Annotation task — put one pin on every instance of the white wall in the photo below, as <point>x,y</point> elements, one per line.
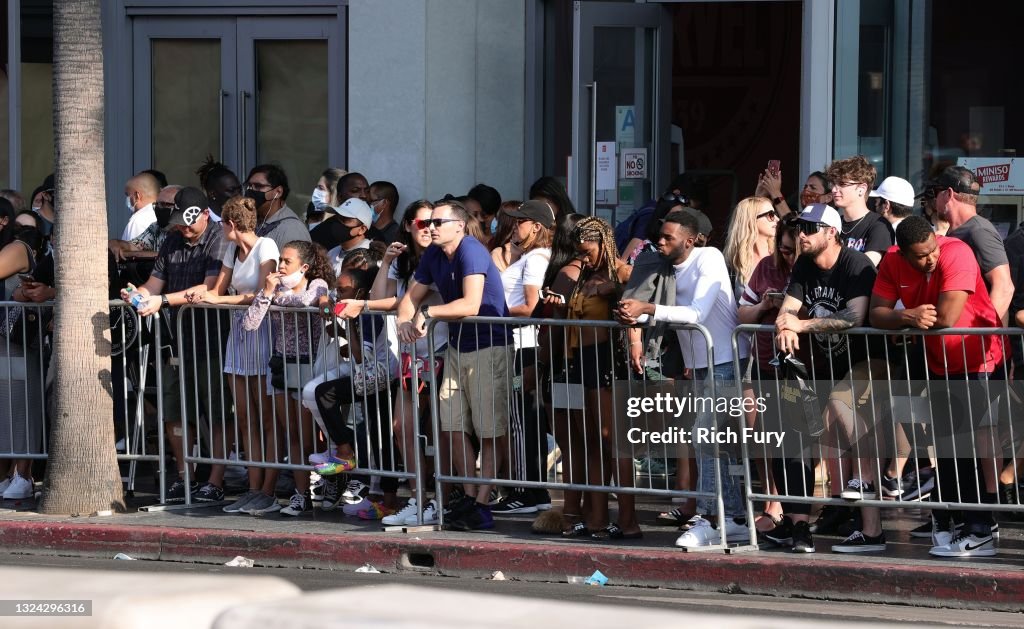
<point>436,94</point>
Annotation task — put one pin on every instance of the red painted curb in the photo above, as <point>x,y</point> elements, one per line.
<point>939,585</point>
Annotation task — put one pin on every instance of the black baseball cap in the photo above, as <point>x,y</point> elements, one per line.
<point>189,203</point>
<point>534,210</point>
<point>957,178</point>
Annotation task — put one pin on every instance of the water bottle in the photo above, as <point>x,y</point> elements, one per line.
<point>135,298</point>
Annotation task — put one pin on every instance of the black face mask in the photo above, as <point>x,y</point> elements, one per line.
<point>163,215</point>
<point>259,197</point>
<point>332,233</point>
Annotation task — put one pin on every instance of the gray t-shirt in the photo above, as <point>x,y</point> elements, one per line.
<point>283,227</point>
<point>984,240</point>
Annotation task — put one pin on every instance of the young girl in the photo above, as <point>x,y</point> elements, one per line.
<point>389,286</point>
<point>248,260</point>
<point>303,276</point>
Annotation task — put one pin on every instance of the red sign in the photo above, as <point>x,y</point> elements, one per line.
<point>992,173</point>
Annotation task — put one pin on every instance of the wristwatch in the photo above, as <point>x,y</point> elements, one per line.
<point>423,311</point>
<point>164,302</point>
<point>777,200</point>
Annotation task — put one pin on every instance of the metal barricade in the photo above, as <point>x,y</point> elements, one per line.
<point>602,414</point>
<point>25,375</point>
<point>333,386</point>
<point>911,396</point>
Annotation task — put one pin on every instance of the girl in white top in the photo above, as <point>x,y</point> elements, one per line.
<point>248,260</point>
<point>523,279</point>
<point>400,260</point>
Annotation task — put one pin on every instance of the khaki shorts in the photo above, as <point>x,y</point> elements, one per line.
<point>866,384</point>
<point>474,392</point>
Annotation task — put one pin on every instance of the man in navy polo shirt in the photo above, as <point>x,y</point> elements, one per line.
<point>474,391</point>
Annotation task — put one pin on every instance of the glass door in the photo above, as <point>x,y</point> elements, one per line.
<point>245,90</point>
<point>184,95</point>
<point>620,123</point>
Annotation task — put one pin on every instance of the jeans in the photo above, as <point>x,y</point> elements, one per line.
<point>725,385</point>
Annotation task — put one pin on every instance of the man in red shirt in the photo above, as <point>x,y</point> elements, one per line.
<point>940,285</point>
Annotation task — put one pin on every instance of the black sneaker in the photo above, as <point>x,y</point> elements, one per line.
<point>176,492</point>
<point>458,507</point>
<point>1009,495</point>
<point>891,487</point>
<point>542,499</point>
<point>518,501</point>
<point>858,489</point>
<point>209,493</point>
<point>858,542</point>
<point>918,486</point>
<point>782,534</point>
<point>802,540</point>
<point>473,519</point>
<point>830,518</point>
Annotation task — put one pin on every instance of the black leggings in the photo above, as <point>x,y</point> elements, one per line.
<point>335,395</point>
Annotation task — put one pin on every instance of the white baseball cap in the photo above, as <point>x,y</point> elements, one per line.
<point>356,208</point>
<point>821,213</point>
<point>895,189</point>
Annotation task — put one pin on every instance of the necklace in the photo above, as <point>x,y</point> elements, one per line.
<point>854,226</point>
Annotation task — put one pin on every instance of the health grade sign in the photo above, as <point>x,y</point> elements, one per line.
<point>997,175</point>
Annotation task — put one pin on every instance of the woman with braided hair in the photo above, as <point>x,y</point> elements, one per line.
<point>594,362</point>
<point>218,182</point>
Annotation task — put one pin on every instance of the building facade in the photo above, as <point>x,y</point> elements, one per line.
<point>613,97</point>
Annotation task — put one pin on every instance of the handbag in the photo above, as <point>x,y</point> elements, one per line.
<point>425,372</point>
<point>369,377</point>
<point>294,372</point>
<point>799,405</point>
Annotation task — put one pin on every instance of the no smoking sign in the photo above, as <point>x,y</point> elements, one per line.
<point>633,164</point>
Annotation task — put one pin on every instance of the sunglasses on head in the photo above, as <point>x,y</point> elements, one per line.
<point>809,229</point>
<point>675,198</point>
<point>436,222</point>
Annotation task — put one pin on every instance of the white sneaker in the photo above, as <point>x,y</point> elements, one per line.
<point>19,488</point>
<point>319,458</point>
<point>736,533</point>
<point>429,515</point>
<point>701,533</point>
<point>967,545</point>
<point>399,518</point>
<point>4,484</point>
<point>940,537</point>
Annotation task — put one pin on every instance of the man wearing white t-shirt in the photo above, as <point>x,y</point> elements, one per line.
<point>703,295</point>
<point>140,193</point>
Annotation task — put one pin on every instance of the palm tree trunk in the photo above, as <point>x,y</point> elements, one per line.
<point>82,475</point>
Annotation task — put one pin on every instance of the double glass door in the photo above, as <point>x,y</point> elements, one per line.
<point>622,84</point>
<point>244,90</point>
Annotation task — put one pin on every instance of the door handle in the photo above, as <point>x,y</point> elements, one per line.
<point>243,130</point>
<point>592,87</point>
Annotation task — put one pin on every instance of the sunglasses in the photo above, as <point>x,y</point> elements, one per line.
<point>435,222</point>
<point>771,214</point>
<point>675,198</point>
<point>809,229</point>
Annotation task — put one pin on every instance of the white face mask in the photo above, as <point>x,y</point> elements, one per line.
<point>129,204</point>
<point>293,280</point>
<point>319,199</point>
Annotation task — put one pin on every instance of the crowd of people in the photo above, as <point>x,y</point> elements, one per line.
<point>850,255</point>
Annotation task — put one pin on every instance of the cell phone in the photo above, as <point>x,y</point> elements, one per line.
<point>339,308</point>
<point>774,167</point>
<point>774,294</point>
<point>545,293</point>
<point>25,277</point>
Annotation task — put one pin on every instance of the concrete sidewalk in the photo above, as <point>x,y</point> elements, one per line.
<point>905,574</point>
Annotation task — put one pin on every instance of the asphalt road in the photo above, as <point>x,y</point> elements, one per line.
<point>830,613</point>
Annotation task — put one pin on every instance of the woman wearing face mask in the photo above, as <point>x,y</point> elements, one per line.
<point>324,197</point>
<point>21,396</point>
<point>302,277</point>
<point>248,260</point>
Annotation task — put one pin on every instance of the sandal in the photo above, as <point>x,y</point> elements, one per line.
<point>764,514</point>
<point>578,529</point>
<point>675,517</point>
<point>612,531</point>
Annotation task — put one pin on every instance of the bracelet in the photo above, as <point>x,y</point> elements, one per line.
<point>636,343</point>
<point>777,200</point>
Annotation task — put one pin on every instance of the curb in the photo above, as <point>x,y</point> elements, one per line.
<point>944,585</point>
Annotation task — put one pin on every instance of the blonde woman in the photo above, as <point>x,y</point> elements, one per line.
<point>751,238</point>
